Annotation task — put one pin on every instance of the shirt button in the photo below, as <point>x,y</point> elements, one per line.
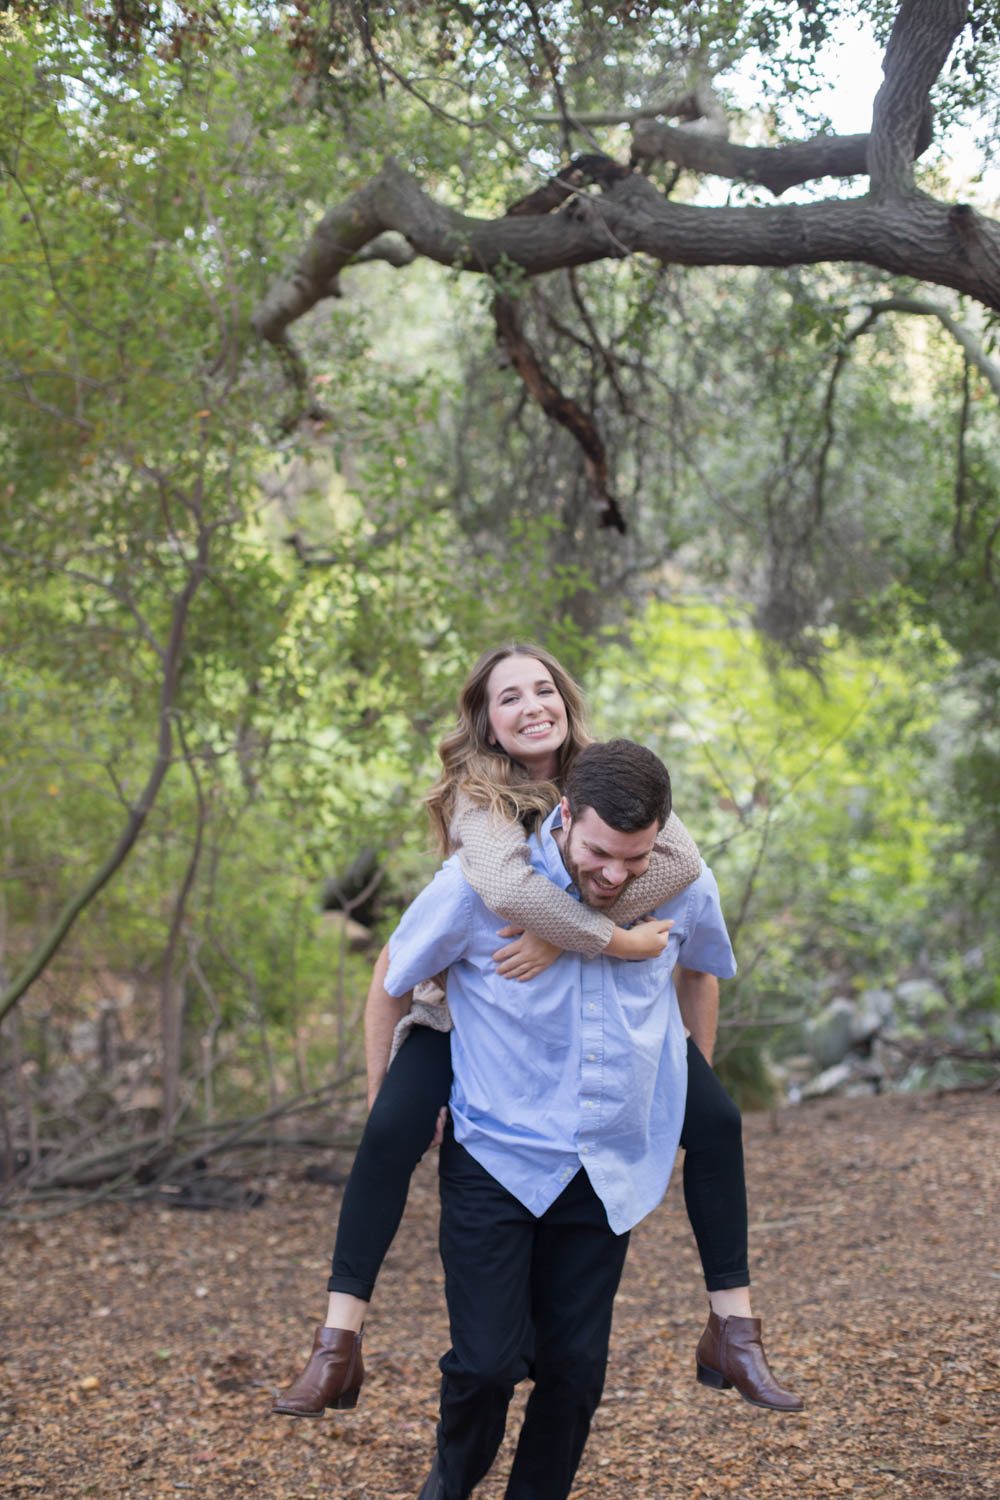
<point>591,1057</point>
<point>586,1150</point>
<point>591,1005</point>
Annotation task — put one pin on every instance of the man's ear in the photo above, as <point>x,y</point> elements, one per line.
<point>564,813</point>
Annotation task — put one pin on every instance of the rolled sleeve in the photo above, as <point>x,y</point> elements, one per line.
<point>705,944</point>
<point>432,933</point>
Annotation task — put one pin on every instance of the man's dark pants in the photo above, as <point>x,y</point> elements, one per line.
<point>514,1281</point>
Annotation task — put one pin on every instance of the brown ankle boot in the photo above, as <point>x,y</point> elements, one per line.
<point>730,1353</point>
<point>332,1377</point>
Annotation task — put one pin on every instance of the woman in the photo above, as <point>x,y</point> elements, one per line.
<point>520,724</point>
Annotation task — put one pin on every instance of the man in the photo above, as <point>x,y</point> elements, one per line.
<point>566,1112</point>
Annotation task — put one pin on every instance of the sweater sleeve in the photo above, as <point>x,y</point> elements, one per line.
<point>674,864</point>
<point>494,857</point>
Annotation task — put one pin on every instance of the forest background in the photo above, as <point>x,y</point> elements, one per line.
<point>341,341</point>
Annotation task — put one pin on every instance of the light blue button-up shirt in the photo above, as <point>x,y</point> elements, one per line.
<point>586,1065</point>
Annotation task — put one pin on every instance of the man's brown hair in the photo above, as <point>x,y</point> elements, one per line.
<point>626,785</point>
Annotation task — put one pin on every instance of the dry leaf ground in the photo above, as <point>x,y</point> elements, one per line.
<point>140,1346</point>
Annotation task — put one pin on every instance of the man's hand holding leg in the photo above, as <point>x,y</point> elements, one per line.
<point>383,1012</point>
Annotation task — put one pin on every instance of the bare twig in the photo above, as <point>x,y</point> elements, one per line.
<point>961,467</point>
<point>172,1003</point>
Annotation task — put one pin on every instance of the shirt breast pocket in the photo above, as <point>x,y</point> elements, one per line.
<point>643,987</point>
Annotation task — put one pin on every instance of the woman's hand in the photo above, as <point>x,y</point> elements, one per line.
<point>442,1121</point>
<point>529,956</point>
<point>644,940</point>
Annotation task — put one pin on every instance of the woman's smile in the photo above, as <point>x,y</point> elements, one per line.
<point>527,714</point>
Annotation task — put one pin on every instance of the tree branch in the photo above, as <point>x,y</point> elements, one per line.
<point>776,168</point>
<point>967,342</point>
<point>683,107</point>
<point>922,36</point>
<point>594,168</point>
<point>961,467</point>
<point>559,408</point>
<point>172,657</point>
<point>915,236</point>
<point>390,248</point>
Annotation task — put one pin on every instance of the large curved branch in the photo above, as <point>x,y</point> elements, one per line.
<point>948,245</point>
<point>775,167</point>
<point>340,235</point>
<point>923,34</point>
<point>393,199</point>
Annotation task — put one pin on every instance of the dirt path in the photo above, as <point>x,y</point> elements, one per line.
<point>139,1348</point>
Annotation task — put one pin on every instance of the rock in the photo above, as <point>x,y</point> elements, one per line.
<point>830,1035</point>
<point>851,1077</point>
<point>883,1060</point>
<point>919,997</point>
<point>799,1065</point>
<point>872,1012</point>
<point>827,1082</point>
<point>358,937</point>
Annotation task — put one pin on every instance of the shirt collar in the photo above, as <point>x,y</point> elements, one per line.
<point>554,867</point>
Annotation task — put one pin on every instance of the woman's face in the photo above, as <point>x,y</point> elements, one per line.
<point>527,714</point>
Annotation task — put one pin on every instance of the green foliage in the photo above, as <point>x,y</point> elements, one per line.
<point>157,166</point>
<point>816,802</point>
<point>135,424</point>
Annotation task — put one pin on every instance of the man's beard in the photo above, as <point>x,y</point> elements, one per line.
<point>590,893</point>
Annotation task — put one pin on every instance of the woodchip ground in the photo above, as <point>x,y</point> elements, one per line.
<point>139,1347</point>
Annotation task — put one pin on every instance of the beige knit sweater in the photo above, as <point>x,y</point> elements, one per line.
<point>496,863</point>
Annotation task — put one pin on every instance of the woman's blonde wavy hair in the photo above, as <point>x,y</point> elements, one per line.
<point>486,773</point>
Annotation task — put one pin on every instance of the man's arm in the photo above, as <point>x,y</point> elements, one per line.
<point>382,1013</point>
<point>698,998</point>
<point>433,934</point>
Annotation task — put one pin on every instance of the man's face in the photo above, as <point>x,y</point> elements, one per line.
<point>601,860</point>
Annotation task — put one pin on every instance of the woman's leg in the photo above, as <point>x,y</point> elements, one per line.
<point>715,1191</point>
<point>730,1352</point>
<point>399,1129</point>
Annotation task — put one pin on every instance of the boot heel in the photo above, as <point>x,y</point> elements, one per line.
<point>332,1378</point>
<point>713,1378</point>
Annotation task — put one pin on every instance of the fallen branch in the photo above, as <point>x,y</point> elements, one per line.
<point>136,1169</point>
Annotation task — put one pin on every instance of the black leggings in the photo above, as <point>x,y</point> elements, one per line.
<point>401,1125</point>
